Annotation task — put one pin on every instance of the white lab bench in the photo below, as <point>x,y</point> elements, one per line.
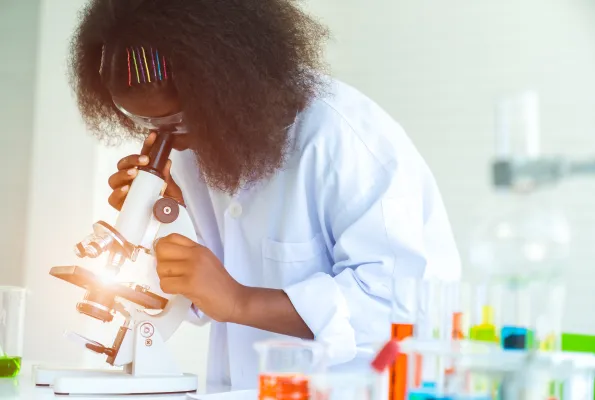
<point>23,388</point>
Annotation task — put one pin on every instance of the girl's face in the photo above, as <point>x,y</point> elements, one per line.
<point>154,106</point>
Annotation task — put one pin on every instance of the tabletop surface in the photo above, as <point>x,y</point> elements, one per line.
<point>23,388</point>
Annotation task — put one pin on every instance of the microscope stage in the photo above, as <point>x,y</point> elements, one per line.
<point>87,280</point>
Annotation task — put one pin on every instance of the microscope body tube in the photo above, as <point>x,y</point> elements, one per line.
<point>137,211</point>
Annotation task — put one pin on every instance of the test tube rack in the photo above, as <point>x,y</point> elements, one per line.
<point>510,375</point>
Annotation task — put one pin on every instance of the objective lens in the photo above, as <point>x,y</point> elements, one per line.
<point>116,259</point>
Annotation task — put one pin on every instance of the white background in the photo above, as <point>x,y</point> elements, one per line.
<point>437,66</point>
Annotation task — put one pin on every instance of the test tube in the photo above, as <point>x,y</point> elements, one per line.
<point>484,325</point>
<point>548,299</point>
<point>437,307</point>
<point>485,321</point>
<point>515,306</point>
<point>404,314</point>
<point>548,305</point>
<point>459,294</point>
<point>462,295</point>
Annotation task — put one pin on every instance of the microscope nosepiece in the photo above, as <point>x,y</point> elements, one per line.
<point>94,245</point>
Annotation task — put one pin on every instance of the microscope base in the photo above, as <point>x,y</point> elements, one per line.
<point>113,382</point>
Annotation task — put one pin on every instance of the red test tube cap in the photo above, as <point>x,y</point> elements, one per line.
<point>386,356</point>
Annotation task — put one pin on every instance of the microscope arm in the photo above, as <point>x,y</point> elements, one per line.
<point>169,218</point>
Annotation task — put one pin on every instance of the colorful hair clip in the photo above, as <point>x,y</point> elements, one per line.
<point>140,61</point>
<point>143,64</point>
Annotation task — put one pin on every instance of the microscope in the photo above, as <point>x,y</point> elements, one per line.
<point>149,319</point>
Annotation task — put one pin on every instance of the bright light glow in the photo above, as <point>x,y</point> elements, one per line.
<point>107,276</point>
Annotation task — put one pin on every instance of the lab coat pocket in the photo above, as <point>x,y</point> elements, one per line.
<point>287,263</point>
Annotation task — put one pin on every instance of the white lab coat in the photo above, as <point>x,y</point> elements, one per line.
<point>354,204</point>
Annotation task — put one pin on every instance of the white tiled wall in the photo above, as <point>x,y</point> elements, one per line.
<point>17,83</point>
<point>60,203</point>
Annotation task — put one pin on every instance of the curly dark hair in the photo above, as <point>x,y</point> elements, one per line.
<point>242,70</point>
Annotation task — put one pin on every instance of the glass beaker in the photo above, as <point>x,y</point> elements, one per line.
<point>345,386</point>
<point>285,368</point>
<point>12,320</point>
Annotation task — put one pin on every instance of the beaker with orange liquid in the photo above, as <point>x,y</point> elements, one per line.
<point>285,368</point>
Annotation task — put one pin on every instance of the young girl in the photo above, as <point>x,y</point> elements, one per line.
<point>306,196</point>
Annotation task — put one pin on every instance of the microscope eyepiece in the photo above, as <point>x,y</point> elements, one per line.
<point>160,152</point>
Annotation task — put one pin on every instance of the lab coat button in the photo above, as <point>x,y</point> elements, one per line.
<point>235,210</point>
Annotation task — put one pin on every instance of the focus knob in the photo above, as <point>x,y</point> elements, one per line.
<point>166,210</point>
